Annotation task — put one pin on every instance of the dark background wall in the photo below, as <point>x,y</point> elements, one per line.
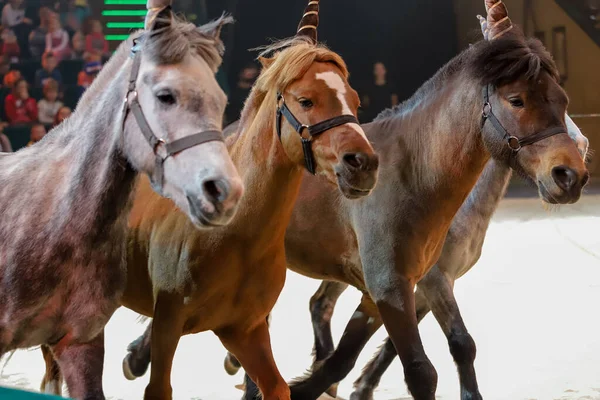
<point>412,37</point>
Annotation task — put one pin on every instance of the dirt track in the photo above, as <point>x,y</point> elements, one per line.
<point>532,305</point>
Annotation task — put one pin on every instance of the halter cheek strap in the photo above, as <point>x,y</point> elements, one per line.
<point>513,142</point>
<point>171,148</point>
<point>313,130</point>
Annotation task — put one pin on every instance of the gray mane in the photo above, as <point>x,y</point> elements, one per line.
<point>173,40</point>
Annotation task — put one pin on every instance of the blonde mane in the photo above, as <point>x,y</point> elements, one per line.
<point>283,63</point>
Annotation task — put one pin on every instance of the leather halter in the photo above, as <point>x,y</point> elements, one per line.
<point>170,148</point>
<point>513,142</point>
<point>313,130</point>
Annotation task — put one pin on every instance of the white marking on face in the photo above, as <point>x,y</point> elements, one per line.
<point>335,82</point>
<point>581,141</point>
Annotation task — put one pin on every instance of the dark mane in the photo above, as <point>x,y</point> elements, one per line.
<point>496,63</point>
<point>169,45</point>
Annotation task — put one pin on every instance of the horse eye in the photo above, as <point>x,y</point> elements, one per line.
<point>166,97</point>
<point>305,103</point>
<point>516,102</point>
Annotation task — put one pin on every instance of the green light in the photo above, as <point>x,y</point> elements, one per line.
<point>134,25</point>
<point>116,37</point>
<point>124,13</point>
<point>125,2</point>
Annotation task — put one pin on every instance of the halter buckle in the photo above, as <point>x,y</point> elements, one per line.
<point>158,143</point>
<point>513,143</point>
<point>487,109</point>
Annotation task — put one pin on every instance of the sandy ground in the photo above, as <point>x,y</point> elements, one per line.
<point>532,305</point>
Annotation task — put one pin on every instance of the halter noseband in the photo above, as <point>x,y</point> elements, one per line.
<point>313,130</point>
<point>171,148</point>
<point>513,142</point>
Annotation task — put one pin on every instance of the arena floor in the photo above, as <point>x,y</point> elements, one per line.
<point>532,305</point>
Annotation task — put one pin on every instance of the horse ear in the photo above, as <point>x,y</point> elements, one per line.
<point>213,29</point>
<point>163,19</point>
<point>310,21</point>
<point>265,62</point>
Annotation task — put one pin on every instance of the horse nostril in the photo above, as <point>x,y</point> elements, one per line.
<point>216,190</point>
<point>564,177</point>
<point>356,160</point>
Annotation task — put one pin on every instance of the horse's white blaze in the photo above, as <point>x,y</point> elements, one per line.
<point>581,141</point>
<point>335,82</point>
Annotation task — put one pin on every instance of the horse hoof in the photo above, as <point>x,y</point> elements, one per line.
<point>332,391</point>
<point>127,370</point>
<point>230,367</point>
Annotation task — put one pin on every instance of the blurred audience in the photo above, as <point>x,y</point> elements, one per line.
<point>5,146</point>
<point>19,107</point>
<point>10,46</point>
<point>12,77</point>
<point>37,37</point>
<point>38,131</point>
<point>49,71</point>
<point>240,92</point>
<point>90,70</point>
<point>95,41</point>
<point>48,106</point>
<point>63,113</point>
<point>379,95</point>
<point>57,40</point>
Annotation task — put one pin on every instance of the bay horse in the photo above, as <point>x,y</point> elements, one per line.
<point>461,251</point>
<point>499,99</point>
<point>64,202</point>
<point>228,279</point>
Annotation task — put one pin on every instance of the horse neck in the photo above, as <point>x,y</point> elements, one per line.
<point>271,179</point>
<point>88,149</point>
<point>489,190</point>
<point>439,138</point>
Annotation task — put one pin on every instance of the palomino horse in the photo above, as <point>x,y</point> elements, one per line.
<point>433,148</point>
<point>62,256</point>
<point>228,279</point>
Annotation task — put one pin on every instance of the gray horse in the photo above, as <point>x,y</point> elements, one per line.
<point>64,202</point>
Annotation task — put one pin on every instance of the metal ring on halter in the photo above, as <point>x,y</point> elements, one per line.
<point>487,107</point>
<point>159,142</point>
<point>513,143</point>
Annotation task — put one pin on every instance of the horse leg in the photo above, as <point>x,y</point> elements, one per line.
<point>167,328</point>
<point>253,350</point>
<point>363,324</point>
<point>52,380</point>
<point>82,365</point>
<point>395,299</point>
<point>135,363</point>
<point>321,306</point>
<point>369,379</point>
<point>437,287</point>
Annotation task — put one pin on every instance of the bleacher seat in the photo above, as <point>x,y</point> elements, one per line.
<point>19,135</point>
<point>70,70</point>
<point>28,69</point>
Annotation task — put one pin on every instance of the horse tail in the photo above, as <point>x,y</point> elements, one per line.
<point>498,22</point>
<point>310,21</point>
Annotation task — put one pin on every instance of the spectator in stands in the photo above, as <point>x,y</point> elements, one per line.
<point>380,94</point>
<point>12,77</point>
<point>5,146</point>
<point>10,46</point>
<point>95,42</point>
<point>78,46</point>
<point>49,70</point>
<point>13,17</point>
<point>90,70</point>
<point>37,37</point>
<point>49,105</point>
<point>82,9</point>
<point>4,68</point>
<point>63,113</point>
<point>57,40</point>
<point>20,108</point>
<point>72,24</point>
<point>240,92</point>
<point>38,131</point>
